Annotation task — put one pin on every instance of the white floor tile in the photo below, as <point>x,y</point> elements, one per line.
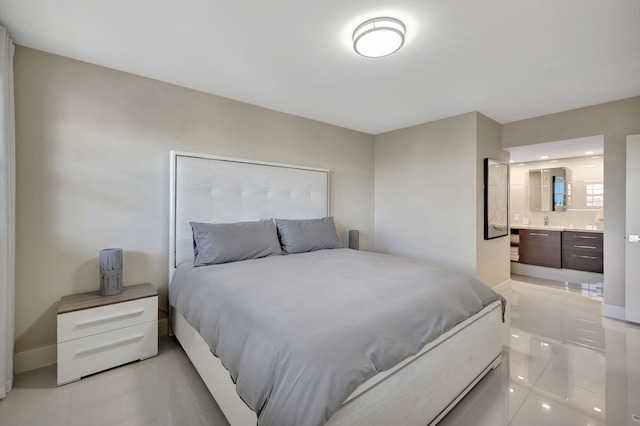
<point>193,421</point>
<point>196,389</point>
<point>452,420</point>
<point>496,405</point>
<point>58,416</point>
<point>35,398</point>
<point>524,369</point>
<point>579,394</point>
<point>537,411</point>
<point>581,360</point>
<point>491,402</point>
<point>213,417</point>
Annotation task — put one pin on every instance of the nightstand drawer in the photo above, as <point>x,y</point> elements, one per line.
<point>81,357</point>
<point>87,322</point>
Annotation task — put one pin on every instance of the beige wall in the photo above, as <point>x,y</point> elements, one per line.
<point>632,273</point>
<point>92,172</point>
<point>429,194</point>
<point>424,195</point>
<point>492,256</point>
<point>615,120</point>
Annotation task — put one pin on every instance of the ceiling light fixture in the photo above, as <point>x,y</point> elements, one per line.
<point>379,37</point>
<point>589,152</point>
<point>544,157</point>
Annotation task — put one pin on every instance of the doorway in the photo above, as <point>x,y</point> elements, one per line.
<point>556,205</point>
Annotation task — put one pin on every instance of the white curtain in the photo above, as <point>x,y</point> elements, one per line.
<point>7,211</point>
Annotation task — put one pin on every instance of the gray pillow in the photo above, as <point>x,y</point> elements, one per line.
<point>300,236</point>
<point>215,243</point>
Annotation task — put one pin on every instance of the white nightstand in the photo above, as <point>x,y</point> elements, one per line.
<point>100,332</point>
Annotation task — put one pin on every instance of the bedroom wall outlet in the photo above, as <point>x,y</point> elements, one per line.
<point>354,239</point>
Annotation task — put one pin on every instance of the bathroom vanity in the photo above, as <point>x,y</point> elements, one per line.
<point>559,247</point>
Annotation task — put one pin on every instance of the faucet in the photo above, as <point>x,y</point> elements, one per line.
<point>546,220</point>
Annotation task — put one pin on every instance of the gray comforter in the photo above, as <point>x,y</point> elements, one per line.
<point>299,333</point>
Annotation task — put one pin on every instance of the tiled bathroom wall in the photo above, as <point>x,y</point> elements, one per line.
<point>584,186</point>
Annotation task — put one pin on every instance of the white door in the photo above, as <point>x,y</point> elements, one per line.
<point>632,269</point>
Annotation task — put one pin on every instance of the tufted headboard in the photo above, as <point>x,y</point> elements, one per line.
<point>205,188</point>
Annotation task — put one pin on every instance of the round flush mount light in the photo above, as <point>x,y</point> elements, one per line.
<point>379,37</point>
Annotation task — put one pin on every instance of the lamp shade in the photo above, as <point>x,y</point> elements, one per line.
<point>110,271</point>
<point>379,37</point>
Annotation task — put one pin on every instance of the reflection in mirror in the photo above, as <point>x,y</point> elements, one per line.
<point>585,195</point>
<point>548,189</point>
<point>496,199</point>
<point>559,194</point>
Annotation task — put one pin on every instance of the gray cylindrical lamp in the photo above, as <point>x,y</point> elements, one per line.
<point>110,271</point>
<point>354,239</point>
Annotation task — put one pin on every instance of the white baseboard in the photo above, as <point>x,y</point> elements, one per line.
<point>34,358</point>
<point>613,311</point>
<point>48,355</point>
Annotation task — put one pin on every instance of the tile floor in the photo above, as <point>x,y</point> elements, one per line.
<point>164,390</point>
<point>566,366</point>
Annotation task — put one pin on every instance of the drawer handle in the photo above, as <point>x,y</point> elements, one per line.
<point>109,318</point>
<point>585,237</point>
<point>587,247</point>
<point>110,345</point>
<point>586,257</point>
<point>541,235</point>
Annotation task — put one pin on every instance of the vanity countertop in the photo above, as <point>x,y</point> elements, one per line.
<point>557,228</point>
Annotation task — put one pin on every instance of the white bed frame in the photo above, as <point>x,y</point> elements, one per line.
<point>420,390</point>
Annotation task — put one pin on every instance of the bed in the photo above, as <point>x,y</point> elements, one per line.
<point>417,389</point>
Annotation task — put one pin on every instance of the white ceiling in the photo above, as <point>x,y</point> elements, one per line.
<point>509,59</point>
<point>560,149</point>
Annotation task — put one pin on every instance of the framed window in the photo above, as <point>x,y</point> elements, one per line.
<point>595,194</point>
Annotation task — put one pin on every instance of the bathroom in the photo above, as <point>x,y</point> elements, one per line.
<point>556,201</point>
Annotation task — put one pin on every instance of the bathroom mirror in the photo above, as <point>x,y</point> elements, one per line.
<point>548,189</point>
<point>496,199</point>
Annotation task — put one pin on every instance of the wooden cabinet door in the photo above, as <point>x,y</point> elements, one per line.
<point>542,248</point>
